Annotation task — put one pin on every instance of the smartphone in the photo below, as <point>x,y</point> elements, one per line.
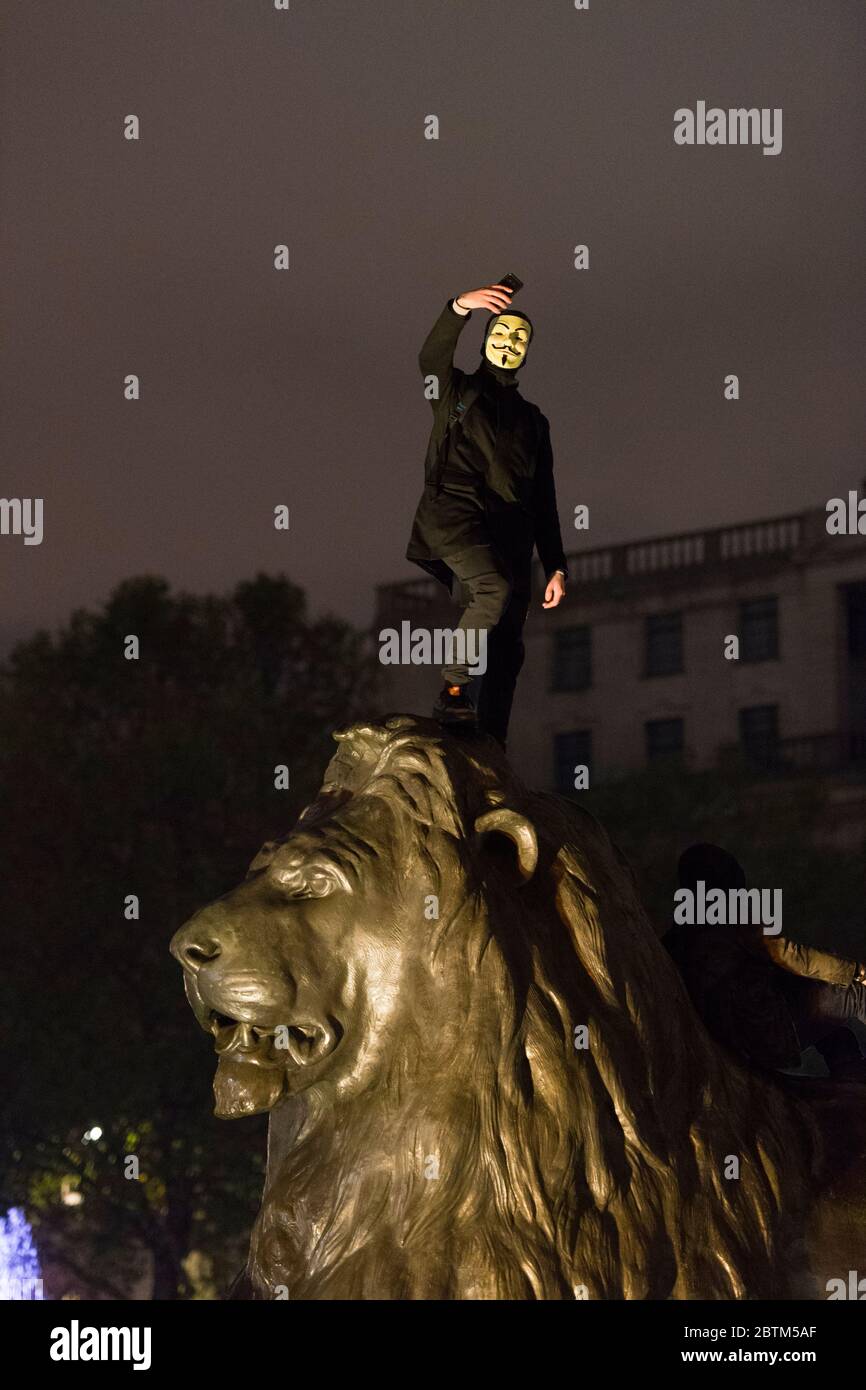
<point>511,282</point>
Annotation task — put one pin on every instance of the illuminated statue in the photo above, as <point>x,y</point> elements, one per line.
<point>484,1075</point>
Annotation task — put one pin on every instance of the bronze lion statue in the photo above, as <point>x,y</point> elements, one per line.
<point>485,1078</point>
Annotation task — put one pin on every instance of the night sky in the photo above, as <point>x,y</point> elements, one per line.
<point>258,388</point>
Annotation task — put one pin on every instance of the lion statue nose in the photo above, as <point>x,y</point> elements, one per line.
<point>194,947</point>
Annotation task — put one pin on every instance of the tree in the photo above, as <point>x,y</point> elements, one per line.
<point>149,779</point>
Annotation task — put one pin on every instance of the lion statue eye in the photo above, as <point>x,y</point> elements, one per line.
<point>303,881</point>
<point>319,884</point>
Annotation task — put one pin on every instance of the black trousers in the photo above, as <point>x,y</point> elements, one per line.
<point>494,591</point>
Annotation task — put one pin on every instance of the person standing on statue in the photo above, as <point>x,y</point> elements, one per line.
<point>489,500</point>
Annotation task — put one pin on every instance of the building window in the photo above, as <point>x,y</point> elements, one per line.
<point>572,658</point>
<point>664,644</point>
<point>759,629</point>
<point>759,734</point>
<point>570,751</point>
<point>664,740</point>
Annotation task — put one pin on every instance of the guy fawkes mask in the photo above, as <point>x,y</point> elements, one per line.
<point>507,341</point>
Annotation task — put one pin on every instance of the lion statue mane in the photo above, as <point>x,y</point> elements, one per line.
<point>485,1078</point>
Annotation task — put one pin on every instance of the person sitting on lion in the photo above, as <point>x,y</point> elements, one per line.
<point>766,997</point>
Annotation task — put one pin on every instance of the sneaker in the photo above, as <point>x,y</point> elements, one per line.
<point>454,706</point>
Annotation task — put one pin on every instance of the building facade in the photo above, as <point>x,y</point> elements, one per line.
<point>745,641</point>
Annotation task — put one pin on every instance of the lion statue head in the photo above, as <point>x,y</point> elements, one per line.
<point>485,1078</point>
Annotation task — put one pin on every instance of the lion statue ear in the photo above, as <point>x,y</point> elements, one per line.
<point>517,829</point>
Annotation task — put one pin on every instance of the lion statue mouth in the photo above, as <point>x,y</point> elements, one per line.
<point>265,1049</point>
<point>258,1046</point>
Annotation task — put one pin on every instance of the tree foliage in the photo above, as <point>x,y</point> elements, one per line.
<point>151,778</point>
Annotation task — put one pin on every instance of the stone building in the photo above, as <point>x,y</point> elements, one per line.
<point>632,667</point>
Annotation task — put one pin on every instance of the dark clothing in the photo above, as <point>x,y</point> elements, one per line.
<point>496,487</point>
<point>505,655</point>
<point>482,588</point>
<point>495,597</point>
<point>818,1008</point>
<point>736,993</point>
<point>742,984</point>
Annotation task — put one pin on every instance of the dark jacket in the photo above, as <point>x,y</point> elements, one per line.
<point>496,487</point>
<point>735,978</point>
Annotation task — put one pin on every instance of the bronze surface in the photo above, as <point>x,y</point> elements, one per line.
<point>399,981</point>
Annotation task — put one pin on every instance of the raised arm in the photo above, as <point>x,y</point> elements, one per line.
<point>436,357</point>
<point>814,964</point>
